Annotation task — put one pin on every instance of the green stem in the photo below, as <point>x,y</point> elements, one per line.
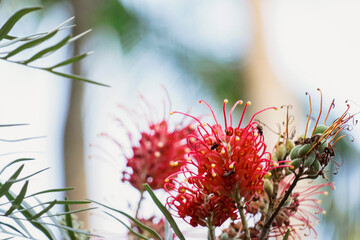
<point>242,215</point>
<point>211,229</point>
<point>139,204</point>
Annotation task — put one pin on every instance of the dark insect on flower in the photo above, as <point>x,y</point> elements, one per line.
<point>260,129</point>
<point>229,173</point>
<point>215,145</point>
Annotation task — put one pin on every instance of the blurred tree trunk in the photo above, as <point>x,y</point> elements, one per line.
<point>262,85</point>
<point>74,138</point>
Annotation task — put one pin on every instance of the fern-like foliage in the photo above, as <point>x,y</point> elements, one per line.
<point>21,213</point>
<point>21,44</point>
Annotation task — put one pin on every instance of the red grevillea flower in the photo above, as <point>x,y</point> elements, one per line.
<point>229,162</point>
<point>197,207</point>
<point>157,153</point>
<point>300,213</point>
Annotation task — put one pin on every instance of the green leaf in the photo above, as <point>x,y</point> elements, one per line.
<point>5,29</point>
<point>28,213</point>
<point>137,222</point>
<point>13,228</point>
<point>68,222</point>
<point>51,191</point>
<point>70,60</point>
<point>129,228</point>
<point>165,212</point>
<point>68,228</point>
<point>286,236</point>
<point>19,39</point>
<point>16,204</point>
<point>6,186</point>
<point>45,210</point>
<point>76,77</point>
<point>69,212</point>
<point>48,50</point>
<point>29,176</point>
<point>15,161</point>
<point>31,44</point>
<point>61,202</point>
<point>14,125</point>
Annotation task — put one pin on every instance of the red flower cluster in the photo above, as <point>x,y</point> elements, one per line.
<point>160,153</point>
<point>224,165</point>
<point>233,161</point>
<point>202,209</point>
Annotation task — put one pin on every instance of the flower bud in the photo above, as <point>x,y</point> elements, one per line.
<point>315,168</point>
<point>295,163</point>
<point>268,187</point>
<point>274,157</point>
<point>320,129</point>
<point>309,159</point>
<point>322,146</point>
<point>289,145</point>
<point>294,152</point>
<point>303,150</point>
<point>280,151</point>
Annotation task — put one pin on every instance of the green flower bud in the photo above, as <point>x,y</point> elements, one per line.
<point>320,129</point>
<point>303,150</point>
<point>280,151</point>
<point>294,151</point>
<point>322,146</point>
<point>268,187</point>
<point>289,145</point>
<point>315,168</point>
<point>274,157</point>
<point>295,163</point>
<point>309,159</point>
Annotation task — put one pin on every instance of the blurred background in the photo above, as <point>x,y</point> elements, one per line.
<point>269,52</point>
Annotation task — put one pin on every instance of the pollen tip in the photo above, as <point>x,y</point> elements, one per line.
<point>157,154</point>
<point>171,113</point>
<point>326,193</point>
<point>237,138</point>
<point>241,102</point>
<point>213,165</point>
<point>275,108</point>
<point>291,167</point>
<point>226,101</point>
<point>248,103</point>
<point>200,101</point>
<point>189,159</point>
<point>256,134</point>
<point>166,180</point>
<point>214,174</point>
<point>204,124</point>
<point>275,164</point>
<point>324,212</point>
<point>319,201</point>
